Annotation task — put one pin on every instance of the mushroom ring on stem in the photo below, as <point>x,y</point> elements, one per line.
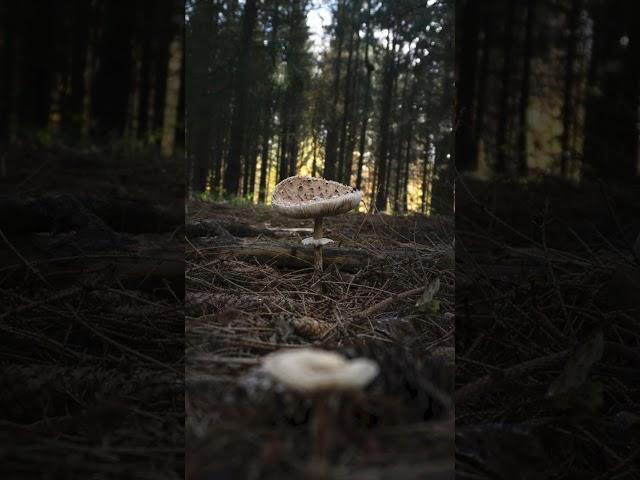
<point>320,374</point>
<point>310,197</point>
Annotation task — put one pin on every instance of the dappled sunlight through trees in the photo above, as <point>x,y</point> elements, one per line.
<point>555,88</point>
<point>359,92</point>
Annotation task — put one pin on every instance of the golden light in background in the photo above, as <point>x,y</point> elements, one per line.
<point>305,166</point>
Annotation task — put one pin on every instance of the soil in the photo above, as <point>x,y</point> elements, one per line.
<point>547,289</point>
<point>92,339</point>
<point>241,307</point>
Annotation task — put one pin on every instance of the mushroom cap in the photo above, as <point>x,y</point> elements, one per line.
<point>310,370</point>
<point>310,197</point>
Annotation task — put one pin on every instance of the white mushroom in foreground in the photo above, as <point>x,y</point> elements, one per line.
<point>309,370</point>
<point>311,197</point>
<point>320,374</point>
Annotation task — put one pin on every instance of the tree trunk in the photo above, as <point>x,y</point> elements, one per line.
<point>88,73</point>
<point>355,105</point>
<point>638,142</point>
<point>331,145</point>
<point>283,168</point>
<point>314,164</point>
<point>218,155</point>
<point>252,170</point>
<point>172,97</point>
<point>467,20</point>
<point>502,158</point>
<point>133,112</point>
<point>55,105</point>
<point>611,138</point>
<point>404,121</point>
<point>251,152</point>
<point>15,48</point>
<point>426,188</point>
<point>567,105</point>
<point>482,89</point>
<point>425,177</point>
<point>374,186</point>
<point>524,92</point>
<point>204,127</point>
<point>231,181</point>
<point>398,169</point>
<point>347,110</point>
<point>293,151</point>
<point>264,157</point>
<point>264,150</point>
<point>385,110</point>
<point>281,145</point>
<point>5,79</point>
<point>266,129</point>
<point>407,159</point>
<point>365,109</point>
<point>409,141</point>
<point>593,104</point>
<point>394,133</point>
<point>200,156</point>
<point>441,189</point>
<point>151,94</point>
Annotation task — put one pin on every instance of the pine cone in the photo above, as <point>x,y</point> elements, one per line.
<point>310,327</point>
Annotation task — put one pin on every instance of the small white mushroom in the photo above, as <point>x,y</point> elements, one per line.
<point>316,241</point>
<point>310,370</point>
<point>320,374</point>
<point>311,197</point>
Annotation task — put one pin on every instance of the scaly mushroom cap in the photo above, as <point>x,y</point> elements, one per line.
<point>311,370</point>
<point>310,197</point>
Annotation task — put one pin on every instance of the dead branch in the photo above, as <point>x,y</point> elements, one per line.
<point>486,383</point>
<point>388,301</point>
<point>296,256</point>
<point>286,231</point>
<point>224,228</point>
<point>138,272</point>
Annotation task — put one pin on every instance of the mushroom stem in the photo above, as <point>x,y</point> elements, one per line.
<point>317,249</point>
<point>323,424</point>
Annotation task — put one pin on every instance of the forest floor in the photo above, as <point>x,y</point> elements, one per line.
<point>251,290</point>
<point>91,317</point>
<point>547,333</point>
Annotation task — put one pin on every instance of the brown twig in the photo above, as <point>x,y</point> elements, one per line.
<point>488,382</point>
<point>389,301</point>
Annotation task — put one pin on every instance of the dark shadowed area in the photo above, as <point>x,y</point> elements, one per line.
<point>91,260</point>
<point>547,239</point>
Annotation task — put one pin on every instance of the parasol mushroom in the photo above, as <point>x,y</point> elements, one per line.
<point>310,197</point>
<point>320,374</point>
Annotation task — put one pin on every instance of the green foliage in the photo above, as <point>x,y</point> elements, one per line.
<point>426,303</point>
<point>210,196</point>
<point>240,201</point>
<point>207,196</point>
